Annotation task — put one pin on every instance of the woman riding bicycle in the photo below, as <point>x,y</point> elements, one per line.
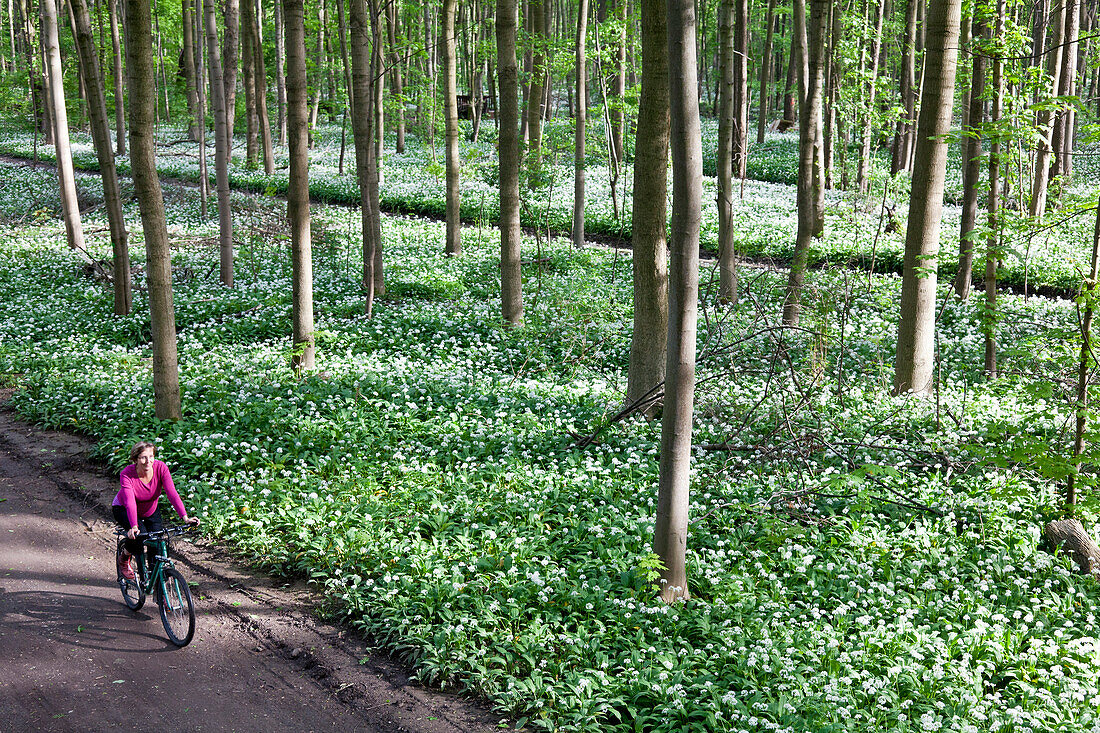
<point>135,506</point>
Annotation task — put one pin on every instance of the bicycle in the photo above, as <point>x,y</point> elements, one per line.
<point>177,610</point>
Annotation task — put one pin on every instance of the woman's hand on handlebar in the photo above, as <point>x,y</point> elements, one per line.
<point>193,521</point>
<point>132,533</point>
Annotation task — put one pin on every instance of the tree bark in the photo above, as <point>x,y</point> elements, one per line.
<point>1085,362</point>
<point>1045,118</point>
<point>230,59</point>
<point>141,75</point>
<point>508,141</point>
<point>298,186</point>
<point>537,89</point>
<point>280,71</point>
<point>740,59</point>
<point>727,143</point>
<point>187,22</point>
<point>221,148</point>
<point>260,80</point>
<point>915,358</point>
<point>809,175</point>
<point>1069,535</point>
<point>972,159</point>
<point>453,244</point>
<point>101,137</point>
<point>618,81</point>
<point>580,123</point>
<point>1062,139</point>
<point>670,531</point>
<point>993,208</point>
<point>120,104</point>
<point>396,61</point>
<point>70,207</point>
<point>648,347</point>
<point>362,125</point>
<point>863,171</point>
<point>765,71</point>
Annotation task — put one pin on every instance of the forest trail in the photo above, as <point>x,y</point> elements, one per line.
<point>73,658</point>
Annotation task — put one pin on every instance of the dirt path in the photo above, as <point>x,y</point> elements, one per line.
<point>73,658</point>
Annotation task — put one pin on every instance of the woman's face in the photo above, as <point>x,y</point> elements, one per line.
<point>145,461</point>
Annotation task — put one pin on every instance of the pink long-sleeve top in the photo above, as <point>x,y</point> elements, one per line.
<point>139,498</point>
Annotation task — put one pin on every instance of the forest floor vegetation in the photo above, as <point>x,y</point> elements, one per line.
<point>857,561</point>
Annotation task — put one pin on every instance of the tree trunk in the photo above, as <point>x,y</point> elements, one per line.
<point>101,136</point>
<point>899,153</point>
<point>727,143</point>
<point>809,176</point>
<point>450,114</point>
<point>671,528</point>
<point>70,207</point>
<point>618,81</point>
<point>260,80</point>
<point>790,86</point>
<point>972,161</point>
<point>396,61</point>
<point>1085,362</point>
<point>120,104</point>
<point>915,358</point>
<point>535,96</point>
<point>221,148</point>
<point>863,172</point>
<point>580,123</point>
<point>1045,118</point>
<point>230,58</point>
<point>280,72</point>
<point>993,208</point>
<point>765,71</point>
<point>646,372</point>
<point>297,197</point>
<point>187,21</point>
<point>141,75</point>
<point>362,125</point>
<point>379,109</point>
<point>199,34</point>
<point>740,61</point>
<point>508,141</point>
<point>248,83</point>
<point>1069,535</point>
<point>1062,139</point>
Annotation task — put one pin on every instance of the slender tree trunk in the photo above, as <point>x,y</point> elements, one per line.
<point>863,172</point>
<point>972,160</point>
<point>260,80</point>
<point>141,75</point>
<point>740,59</point>
<point>899,153</point>
<point>809,176</point>
<point>101,136</point>
<point>248,83</point>
<point>765,71</point>
<point>508,141</point>
<point>580,123</point>
<point>648,346</point>
<point>1045,118</point>
<point>297,206</point>
<point>200,86</point>
<point>790,87</point>
<point>727,143</point>
<point>280,72</point>
<point>230,59</point>
<point>379,109</point>
<point>993,207</point>
<point>221,148</point>
<point>1085,362</point>
<point>915,358</point>
<point>1062,139</point>
<point>671,528</point>
<point>618,81</point>
<point>450,114</point>
<point>70,207</point>
<point>187,22</point>
<point>396,62</point>
<point>535,96</point>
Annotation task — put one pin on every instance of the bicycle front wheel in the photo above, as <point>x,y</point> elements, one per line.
<point>177,611</point>
<point>133,591</point>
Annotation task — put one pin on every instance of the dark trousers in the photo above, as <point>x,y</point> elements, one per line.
<point>152,523</point>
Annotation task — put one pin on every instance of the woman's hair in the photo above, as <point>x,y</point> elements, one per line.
<point>139,448</point>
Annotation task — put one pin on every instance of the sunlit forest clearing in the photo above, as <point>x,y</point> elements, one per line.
<point>453,446</point>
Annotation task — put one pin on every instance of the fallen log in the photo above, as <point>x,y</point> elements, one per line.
<point>1069,535</point>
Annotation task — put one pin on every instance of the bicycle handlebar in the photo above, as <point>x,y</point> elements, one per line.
<point>173,531</point>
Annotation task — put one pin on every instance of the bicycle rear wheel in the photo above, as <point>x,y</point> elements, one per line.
<point>177,611</point>
<point>133,592</point>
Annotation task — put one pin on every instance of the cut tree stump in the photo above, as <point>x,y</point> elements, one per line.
<point>1071,537</point>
